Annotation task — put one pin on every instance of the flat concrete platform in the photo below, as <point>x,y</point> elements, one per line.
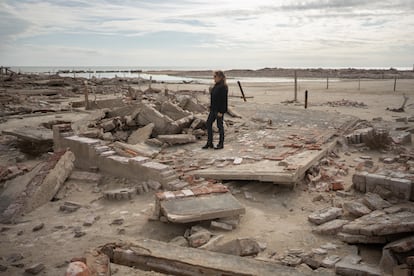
<point>278,145</point>
<point>205,207</point>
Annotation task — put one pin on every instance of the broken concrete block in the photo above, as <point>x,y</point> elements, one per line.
<point>325,215</point>
<point>401,137</point>
<point>180,241</point>
<point>149,114</point>
<point>395,251</point>
<point>331,227</point>
<point>139,149</point>
<point>197,123</point>
<point>330,261</point>
<point>175,139</point>
<point>379,223</point>
<point>108,125</point>
<point>347,266</point>
<point>213,243</point>
<point>291,260</point>
<point>372,180</point>
<point>154,185</point>
<point>119,194</point>
<point>188,103</point>
<point>221,226</point>
<point>240,247</point>
<point>42,187</point>
<point>375,202</point>
<point>199,238</point>
<point>359,181</point>
<point>69,206</point>
<point>356,208</point>
<point>401,188</point>
<point>141,135</point>
<point>173,111</point>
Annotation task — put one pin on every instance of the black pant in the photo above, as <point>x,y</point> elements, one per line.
<point>212,116</point>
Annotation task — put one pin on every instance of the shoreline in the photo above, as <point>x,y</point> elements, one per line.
<point>347,73</point>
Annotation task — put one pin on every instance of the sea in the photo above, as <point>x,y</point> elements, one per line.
<point>89,72</point>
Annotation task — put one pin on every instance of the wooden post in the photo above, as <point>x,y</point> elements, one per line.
<point>395,83</point>
<point>359,83</point>
<point>306,99</point>
<point>150,82</point>
<point>296,87</point>
<point>241,90</point>
<point>85,91</point>
<point>327,81</point>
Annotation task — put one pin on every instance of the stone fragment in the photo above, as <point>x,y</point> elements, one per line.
<point>291,260</point>
<point>330,227</point>
<point>379,223</point>
<point>325,215</point>
<point>90,219</point>
<point>375,202</point>
<point>347,267</point>
<point>118,221</point>
<point>213,243</point>
<point>240,247</point>
<point>69,206</point>
<point>356,208</point>
<point>120,194</point>
<point>35,269</point>
<point>199,238</point>
<point>174,139</point>
<point>14,257</point>
<point>180,241</point>
<point>355,238</point>
<point>221,226</point>
<point>78,268</point>
<point>330,261</point>
<point>141,135</point>
<point>154,185</point>
<point>38,227</point>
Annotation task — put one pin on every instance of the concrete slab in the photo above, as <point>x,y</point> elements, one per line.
<point>268,168</point>
<point>212,206</point>
<point>177,260</point>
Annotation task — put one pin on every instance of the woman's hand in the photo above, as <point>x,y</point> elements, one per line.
<point>219,114</point>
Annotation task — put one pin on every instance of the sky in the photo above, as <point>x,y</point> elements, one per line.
<point>208,34</point>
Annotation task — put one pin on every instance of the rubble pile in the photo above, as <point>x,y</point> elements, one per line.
<point>346,103</point>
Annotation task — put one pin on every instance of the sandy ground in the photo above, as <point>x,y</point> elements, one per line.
<point>275,215</point>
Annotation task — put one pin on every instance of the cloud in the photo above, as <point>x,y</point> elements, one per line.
<point>261,31</point>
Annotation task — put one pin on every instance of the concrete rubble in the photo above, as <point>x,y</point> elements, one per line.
<point>146,141</point>
<point>37,188</point>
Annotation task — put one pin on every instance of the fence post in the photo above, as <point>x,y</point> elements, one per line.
<point>241,90</point>
<point>395,83</point>
<point>327,81</point>
<point>359,83</point>
<point>306,99</point>
<point>296,87</point>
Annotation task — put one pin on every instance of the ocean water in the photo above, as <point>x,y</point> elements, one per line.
<point>135,72</point>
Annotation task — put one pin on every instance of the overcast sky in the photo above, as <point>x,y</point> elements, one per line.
<point>208,34</point>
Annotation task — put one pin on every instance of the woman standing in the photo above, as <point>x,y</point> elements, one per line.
<point>218,106</point>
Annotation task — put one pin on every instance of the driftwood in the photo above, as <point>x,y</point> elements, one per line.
<point>400,109</point>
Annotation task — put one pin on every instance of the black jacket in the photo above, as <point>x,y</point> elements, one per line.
<point>218,98</point>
